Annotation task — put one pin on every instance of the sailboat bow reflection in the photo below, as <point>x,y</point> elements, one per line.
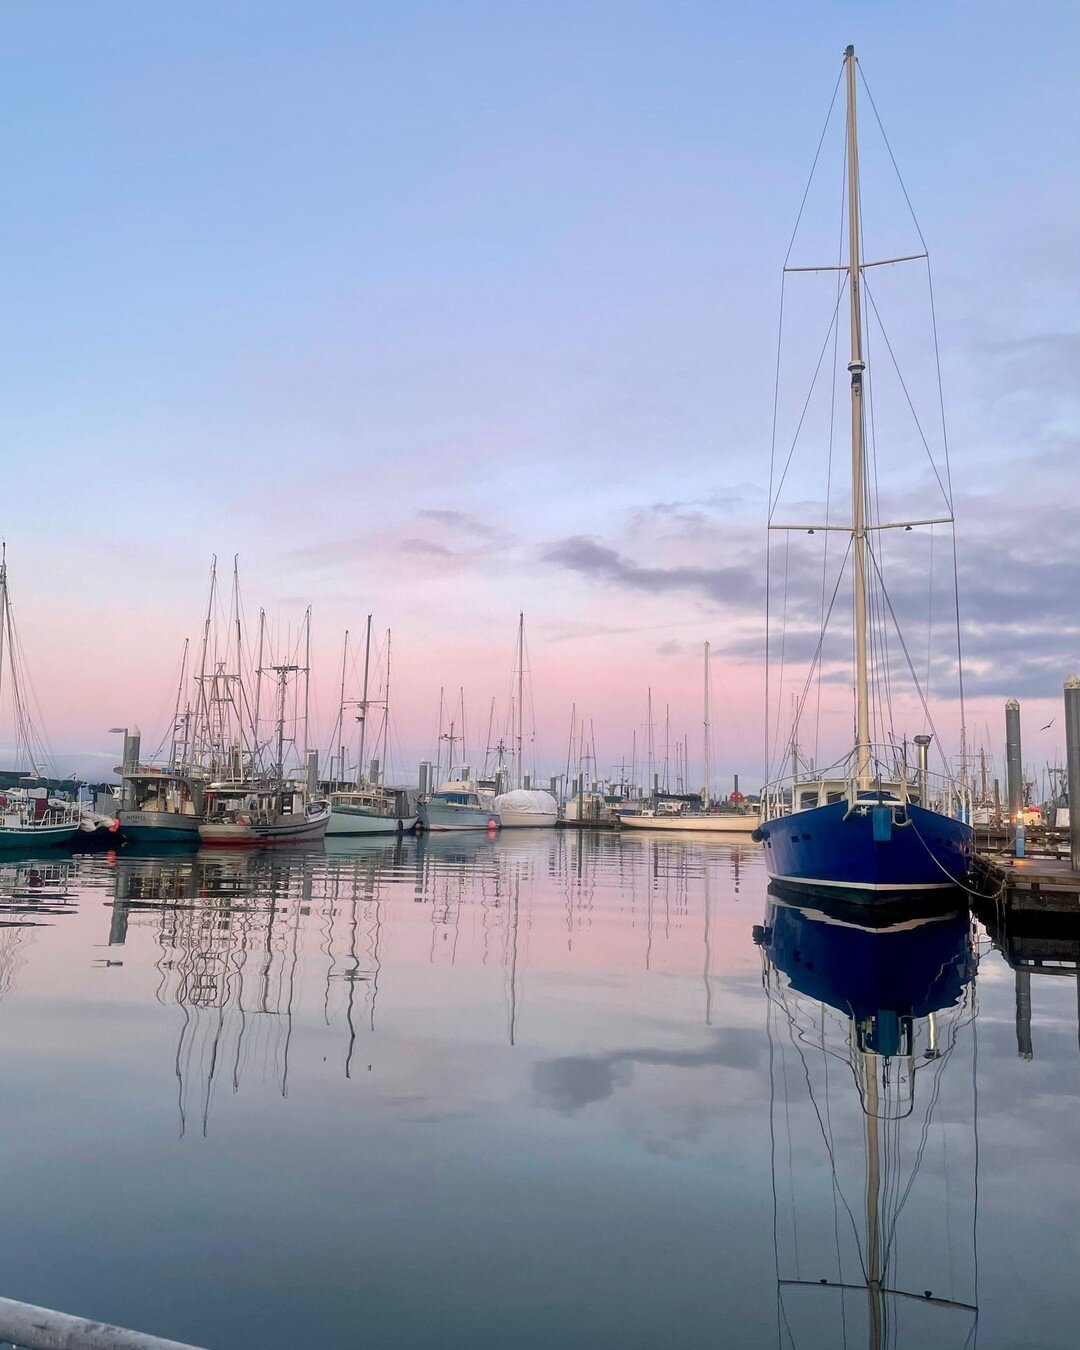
<point>889,1005</point>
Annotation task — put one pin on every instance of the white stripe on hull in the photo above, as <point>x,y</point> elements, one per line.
<point>868,886</point>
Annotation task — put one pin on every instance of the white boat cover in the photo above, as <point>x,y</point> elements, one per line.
<point>527,802</point>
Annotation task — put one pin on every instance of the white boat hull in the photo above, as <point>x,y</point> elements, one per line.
<point>692,824</point>
<point>351,821</point>
<point>528,820</point>
<point>248,834</point>
<point>437,816</point>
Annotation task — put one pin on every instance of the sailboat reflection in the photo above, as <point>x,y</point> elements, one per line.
<point>890,1003</point>
<point>235,934</point>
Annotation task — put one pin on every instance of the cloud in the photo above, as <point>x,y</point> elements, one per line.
<point>461,521</point>
<point>600,562</point>
<point>570,1082</point>
<point>428,547</point>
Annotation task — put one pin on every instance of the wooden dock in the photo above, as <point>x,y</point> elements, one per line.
<point>1034,884</point>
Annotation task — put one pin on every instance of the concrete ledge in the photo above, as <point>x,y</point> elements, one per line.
<point>42,1329</point>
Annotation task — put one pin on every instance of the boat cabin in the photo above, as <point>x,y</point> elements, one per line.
<point>160,791</point>
<point>247,804</point>
<point>826,791</point>
<point>372,800</point>
<point>461,789</point>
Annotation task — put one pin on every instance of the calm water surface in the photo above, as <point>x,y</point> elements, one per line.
<point>542,1090</point>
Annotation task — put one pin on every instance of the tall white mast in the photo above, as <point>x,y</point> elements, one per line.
<point>360,770</point>
<point>520,693</point>
<point>858,458</point>
<point>339,732</point>
<point>705,791</point>
<point>386,712</point>
<point>173,758</point>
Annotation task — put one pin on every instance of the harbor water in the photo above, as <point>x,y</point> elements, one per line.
<point>548,1088</point>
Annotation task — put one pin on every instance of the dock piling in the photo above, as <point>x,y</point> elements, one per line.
<point>923,744</point>
<point>1014,764</point>
<point>1072,760</point>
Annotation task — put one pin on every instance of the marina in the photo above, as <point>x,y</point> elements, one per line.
<point>539,687</point>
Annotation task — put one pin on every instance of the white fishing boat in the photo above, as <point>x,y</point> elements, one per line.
<point>371,809</point>
<point>459,804</point>
<point>687,821</point>
<point>360,804</point>
<point>249,814</point>
<point>255,808</point>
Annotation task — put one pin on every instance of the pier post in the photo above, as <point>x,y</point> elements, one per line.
<point>923,743</point>
<point>1023,1015</point>
<point>1072,760</point>
<point>1014,766</point>
<point>132,751</point>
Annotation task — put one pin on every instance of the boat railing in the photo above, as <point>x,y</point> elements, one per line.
<point>889,776</point>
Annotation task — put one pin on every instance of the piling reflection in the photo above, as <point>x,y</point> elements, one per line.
<point>869,1158</point>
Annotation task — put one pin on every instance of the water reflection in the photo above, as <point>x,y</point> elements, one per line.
<point>540,1053</point>
<point>241,936</point>
<point>863,1024</point>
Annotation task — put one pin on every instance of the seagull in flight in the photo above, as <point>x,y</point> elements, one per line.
<point>1049,724</point>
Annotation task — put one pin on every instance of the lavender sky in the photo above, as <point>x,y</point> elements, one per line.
<point>446,310</point>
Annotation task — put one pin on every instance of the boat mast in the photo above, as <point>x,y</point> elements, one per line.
<point>176,710</point>
<point>873,1196</point>
<point>202,708</point>
<point>439,739</point>
<point>386,712</point>
<point>307,679</point>
<point>705,789</point>
<point>283,679</point>
<point>339,731</point>
<point>856,367</point>
<point>649,733</point>
<point>259,675</point>
<point>364,703</point>
<point>520,692</point>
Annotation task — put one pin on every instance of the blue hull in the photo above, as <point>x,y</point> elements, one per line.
<point>878,977</point>
<point>870,856</point>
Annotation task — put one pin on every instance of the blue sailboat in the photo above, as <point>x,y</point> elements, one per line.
<point>867,832</point>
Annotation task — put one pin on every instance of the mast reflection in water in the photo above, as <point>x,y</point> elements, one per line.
<point>874,1223</point>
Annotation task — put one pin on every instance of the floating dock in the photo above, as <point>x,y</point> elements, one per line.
<point>1037,884</point>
